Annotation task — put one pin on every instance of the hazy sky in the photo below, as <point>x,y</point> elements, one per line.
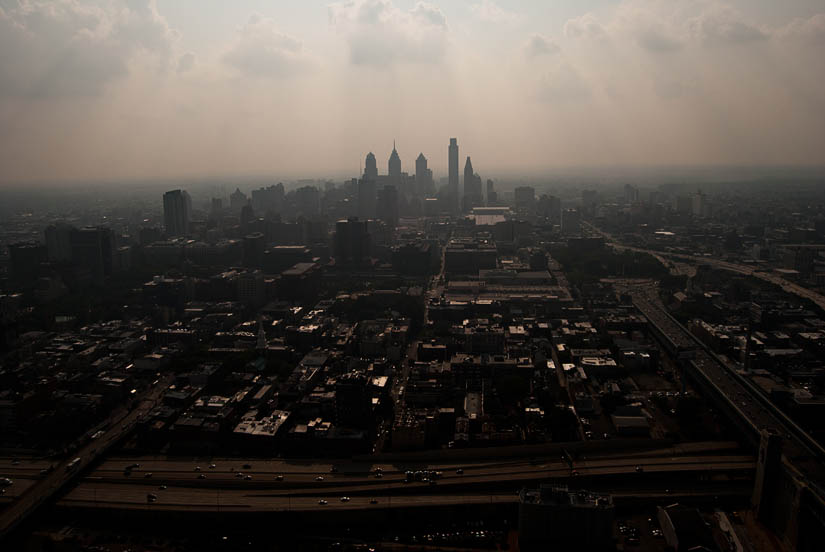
<point>178,88</point>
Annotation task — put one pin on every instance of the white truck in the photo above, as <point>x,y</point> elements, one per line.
<point>73,465</point>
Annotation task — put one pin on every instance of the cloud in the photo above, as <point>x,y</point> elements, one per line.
<point>75,48</point>
<point>261,51</point>
<point>655,41</point>
<point>653,26</point>
<point>186,62</point>
<point>723,25</point>
<point>665,27</point>
<point>674,88</point>
<point>488,10</point>
<point>584,26</point>
<point>539,45</point>
<point>563,84</point>
<point>809,30</point>
<point>379,34</point>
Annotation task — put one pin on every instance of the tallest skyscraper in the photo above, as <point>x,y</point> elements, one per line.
<point>452,184</point>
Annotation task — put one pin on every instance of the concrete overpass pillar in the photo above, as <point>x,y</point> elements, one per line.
<point>768,468</point>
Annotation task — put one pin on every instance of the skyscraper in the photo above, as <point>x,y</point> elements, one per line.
<point>525,197</point>
<point>423,176</point>
<point>388,205</point>
<point>351,244</point>
<point>58,242</point>
<point>93,248</point>
<point>472,187</point>
<point>452,185</point>
<point>492,197</point>
<point>370,168</point>
<point>176,208</point>
<point>366,197</point>
<point>237,200</point>
<point>394,165</point>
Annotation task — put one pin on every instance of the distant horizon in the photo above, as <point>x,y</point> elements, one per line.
<point>602,174</point>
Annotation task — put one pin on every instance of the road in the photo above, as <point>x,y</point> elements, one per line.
<point>223,501</point>
<point>108,487</point>
<point>802,451</point>
<point>789,287</point>
<point>120,423</point>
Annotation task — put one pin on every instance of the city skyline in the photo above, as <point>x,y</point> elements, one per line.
<point>164,89</point>
<point>349,275</point>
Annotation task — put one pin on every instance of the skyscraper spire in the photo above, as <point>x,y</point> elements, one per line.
<point>394,164</point>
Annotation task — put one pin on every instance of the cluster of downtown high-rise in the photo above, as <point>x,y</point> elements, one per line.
<point>376,196</point>
<point>376,192</point>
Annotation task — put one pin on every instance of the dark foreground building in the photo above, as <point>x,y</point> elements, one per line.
<point>553,518</point>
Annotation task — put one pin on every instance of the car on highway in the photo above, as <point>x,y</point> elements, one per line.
<point>459,471</point>
<point>212,466</point>
<point>622,527</point>
<point>197,468</point>
<point>150,497</point>
<point>248,478</point>
<point>322,502</point>
<point>279,477</point>
<point>6,482</point>
<point>201,476</point>
<point>373,501</point>
<point>147,475</point>
<point>639,469</point>
<point>162,487</point>
<point>319,478</point>
<point>344,499</point>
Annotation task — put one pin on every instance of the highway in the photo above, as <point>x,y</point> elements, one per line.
<point>38,492</point>
<point>806,454</point>
<point>228,501</point>
<point>803,452</point>
<point>790,287</point>
<point>177,485</point>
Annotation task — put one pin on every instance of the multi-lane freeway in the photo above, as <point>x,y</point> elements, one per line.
<point>790,287</point>
<point>800,449</point>
<point>38,492</point>
<point>806,454</point>
<point>266,485</point>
